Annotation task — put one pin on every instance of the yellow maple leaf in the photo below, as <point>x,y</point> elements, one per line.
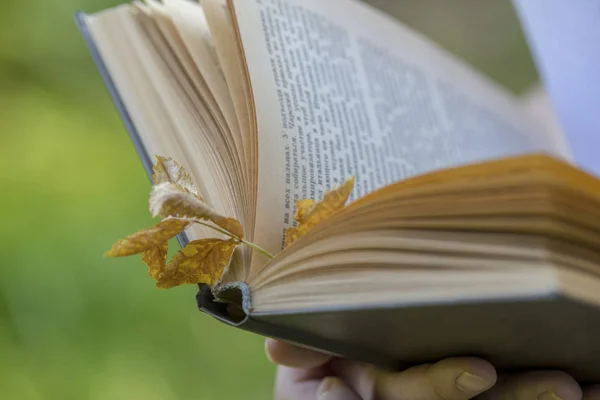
<point>309,213</point>
<point>200,261</point>
<point>156,259</point>
<point>146,239</point>
<point>168,199</point>
<point>168,170</point>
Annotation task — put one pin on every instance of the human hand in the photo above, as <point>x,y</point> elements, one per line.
<point>306,375</point>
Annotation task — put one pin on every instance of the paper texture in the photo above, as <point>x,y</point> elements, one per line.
<point>342,90</point>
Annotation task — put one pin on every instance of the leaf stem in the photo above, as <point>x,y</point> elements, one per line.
<point>231,235</point>
<point>216,228</point>
<point>257,248</point>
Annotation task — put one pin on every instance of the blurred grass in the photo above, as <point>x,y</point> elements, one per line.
<point>74,325</point>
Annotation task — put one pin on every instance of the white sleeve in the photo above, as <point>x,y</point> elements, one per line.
<point>564,37</point>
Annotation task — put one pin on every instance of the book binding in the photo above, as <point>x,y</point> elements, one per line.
<point>207,303</point>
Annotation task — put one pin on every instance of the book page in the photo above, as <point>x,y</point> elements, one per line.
<point>191,24</point>
<point>343,90</point>
<point>538,105</point>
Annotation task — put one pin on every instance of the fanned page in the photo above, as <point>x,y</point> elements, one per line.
<point>342,90</point>
<point>527,208</point>
<point>161,60</point>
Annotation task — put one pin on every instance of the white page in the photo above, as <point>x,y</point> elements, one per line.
<point>342,90</point>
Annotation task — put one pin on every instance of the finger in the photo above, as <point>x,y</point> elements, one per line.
<point>591,393</point>
<point>293,356</point>
<point>450,379</point>
<point>333,388</point>
<point>298,383</point>
<point>295,384</point>
<point>540,385</point>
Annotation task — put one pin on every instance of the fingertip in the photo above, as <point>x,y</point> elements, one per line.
<point>558,383</point>
<point>540,385</point>
<point>470,383</point>
<point>270,351</point>
<point>288,355</point>
<point>459,378</point>
<point>469,376</point>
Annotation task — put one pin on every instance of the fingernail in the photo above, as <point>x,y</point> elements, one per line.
<point>548,395</point>
<point>268,350</point>
<point>327,384</point>
<point>471,383</point>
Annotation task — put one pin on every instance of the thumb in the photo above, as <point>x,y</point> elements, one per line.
<point>333,388</point>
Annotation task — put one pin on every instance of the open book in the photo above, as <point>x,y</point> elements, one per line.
<point>469,231</point>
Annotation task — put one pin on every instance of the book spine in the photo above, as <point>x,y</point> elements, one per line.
<point>217,309</point>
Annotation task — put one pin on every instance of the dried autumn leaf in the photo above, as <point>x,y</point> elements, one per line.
<point>200,261</point>
<point>168,199</point>
<point>230,225</point>
<point>310,214</point>
<point>304,207</point>
<point>156,259</point>
<point>145,239</point>
<point>168,170</point>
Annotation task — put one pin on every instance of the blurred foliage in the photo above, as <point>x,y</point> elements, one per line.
<point>73,324</point>
<point>485,34</point>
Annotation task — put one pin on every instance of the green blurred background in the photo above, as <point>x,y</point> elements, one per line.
<point>75,325</point>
